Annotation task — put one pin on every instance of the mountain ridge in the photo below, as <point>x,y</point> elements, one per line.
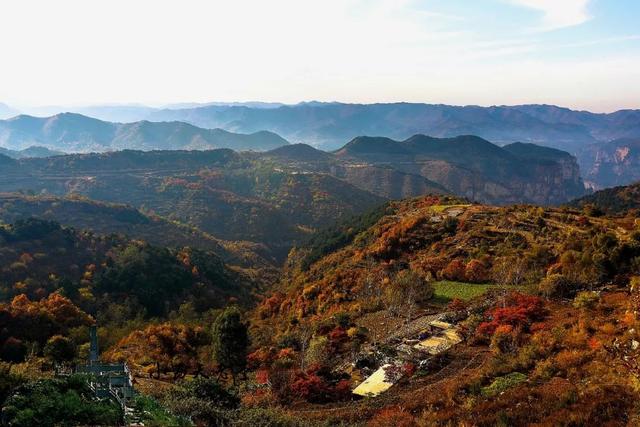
<point>475,168</point>
<point>73,132</point>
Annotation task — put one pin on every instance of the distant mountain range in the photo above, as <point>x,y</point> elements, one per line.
<point>467,166</point>
<point>329,126</point>
<point>33,151</point>
<point>72,132</point>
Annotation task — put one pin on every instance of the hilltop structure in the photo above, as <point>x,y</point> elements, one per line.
<point>107,380</point>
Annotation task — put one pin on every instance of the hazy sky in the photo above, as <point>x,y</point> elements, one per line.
<point>576,53</point>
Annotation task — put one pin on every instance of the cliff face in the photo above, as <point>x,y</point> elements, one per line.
<point>387,182</point>
<point>554,183</point>
<point>611,164</point>
<point>476,169</point>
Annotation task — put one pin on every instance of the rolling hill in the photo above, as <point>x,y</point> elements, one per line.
<point>376,292</point>
<point>277,198</point>
<point>622,200</point>
<point>41,257</point>
<point>33,151</point>
<point>229,195</point>
<point>77,133</point>
<point>108,218</point>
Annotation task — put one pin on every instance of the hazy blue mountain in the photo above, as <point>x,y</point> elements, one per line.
<point>329,125</point>
<point>71,132</point>
<point>30,152</point>
<point>251,104</point>
<point>110,113</point>
<point>126,113</point>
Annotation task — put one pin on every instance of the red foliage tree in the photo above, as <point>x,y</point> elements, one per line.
<point>476,272</point>
<point>455,270</point>
<point>519,311</point>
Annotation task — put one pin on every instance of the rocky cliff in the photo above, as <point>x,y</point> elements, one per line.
<point>610,164</point>
<point>474,168</point>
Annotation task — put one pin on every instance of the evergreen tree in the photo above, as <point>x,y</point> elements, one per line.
<point>230,341</point>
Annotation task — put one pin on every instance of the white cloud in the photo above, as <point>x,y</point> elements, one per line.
<point>559,13</point>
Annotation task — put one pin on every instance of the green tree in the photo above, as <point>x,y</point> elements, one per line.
<point>60,349</point>
<point>230,341</point>
<point>58,402</point>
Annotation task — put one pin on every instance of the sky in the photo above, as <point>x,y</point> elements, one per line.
<point>582,54</point>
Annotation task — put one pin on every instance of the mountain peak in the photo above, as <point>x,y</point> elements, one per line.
<point>301,152</point>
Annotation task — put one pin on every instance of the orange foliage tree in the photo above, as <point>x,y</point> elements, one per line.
<point>163,348</point>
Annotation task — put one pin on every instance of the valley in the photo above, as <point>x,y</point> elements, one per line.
<point>471,307</point>
<point>320,213</point>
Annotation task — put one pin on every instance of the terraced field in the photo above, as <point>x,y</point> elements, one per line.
<point>446,290</point>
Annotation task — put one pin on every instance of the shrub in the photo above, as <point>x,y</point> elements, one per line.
<point>586,300</point>
<point>60,349</point>
<point>60,401</point>
<point>310,387</point>
<point>152,413</point>
<point>554,285</point>
<point>476,272</point>
<point>202,400</point>
<point>318,351</point>
<point>392,417</point>
<point>455,271</point>
<point>504,339</point>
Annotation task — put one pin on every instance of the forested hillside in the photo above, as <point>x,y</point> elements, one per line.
<point>231,196</point>
<point>270,288</point>
<point>540,297</point>
<point>623,200</point>
<point>108,218</point>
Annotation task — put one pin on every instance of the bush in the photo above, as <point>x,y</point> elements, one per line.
<point>392,417</point>
<point>13,350</point>
<point>476,272</point>
<point>504,339</point>
<point>455,271</point>
<point>586,300</point>
<point>60,349</point>
<point>554,285</point>
<point>153,414</point>
<point>202,400</point>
